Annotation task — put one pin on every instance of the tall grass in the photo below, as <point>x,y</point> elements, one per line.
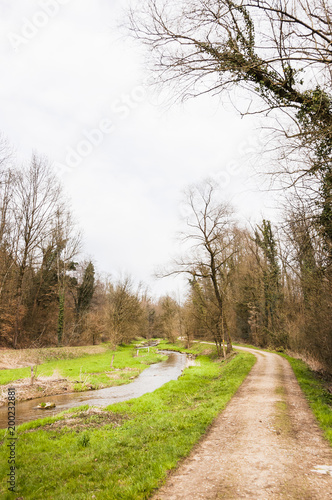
<point>315,390</point>
<point>94,366</point>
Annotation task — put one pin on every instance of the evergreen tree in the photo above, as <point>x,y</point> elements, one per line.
<point>86,290</point>
<point>271,279</point>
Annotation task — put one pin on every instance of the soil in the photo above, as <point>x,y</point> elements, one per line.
<point>43,386</point>
<point>265,445</point>
<point>92,418</point>
<point>55,384</point>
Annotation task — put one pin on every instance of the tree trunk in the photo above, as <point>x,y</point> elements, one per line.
<point>220,301</point>
<point>61,316</point>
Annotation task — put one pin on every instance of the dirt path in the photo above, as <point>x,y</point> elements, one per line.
<point>265,445</point>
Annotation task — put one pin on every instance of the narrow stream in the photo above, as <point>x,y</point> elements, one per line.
<point>149,380</point>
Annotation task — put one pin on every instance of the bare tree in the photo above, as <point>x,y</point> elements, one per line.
<point>271,47</point>
<point>66,241</point>
<point>169,318</point>
<point>6,187</point>
<point>7,262</point>
<point>309,282</point>
<point>279,51</point>
<point>210,235</point>
<point>36,198</point>
<point>124,312</point>
<point>38,241</point>
<point>6,196</point>
<point>6,154</point>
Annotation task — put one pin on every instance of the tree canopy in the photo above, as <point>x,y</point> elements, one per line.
<point>277,50</point>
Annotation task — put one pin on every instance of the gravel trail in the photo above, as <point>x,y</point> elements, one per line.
<point>266,444</point>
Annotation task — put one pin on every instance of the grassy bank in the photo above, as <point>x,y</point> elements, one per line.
<point>91,371</point>
<point>126,454</point>
<point>20,358</point>
<point>196,348</point>
<point>314,388</point>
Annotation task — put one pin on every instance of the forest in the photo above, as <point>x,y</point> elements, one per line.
<point>267,285</point>
<point>223,388</point>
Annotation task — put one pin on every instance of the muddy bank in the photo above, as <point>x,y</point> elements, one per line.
<point>52,386</point>
<point>40,389</point>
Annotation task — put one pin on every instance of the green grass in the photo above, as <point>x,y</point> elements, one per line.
<point>7,376</point>
<point>90,369</point>
<point>125,462</point>
<point>196,348</point>
<point>320,400</point>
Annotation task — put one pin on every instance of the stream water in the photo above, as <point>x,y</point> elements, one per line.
<point>149,380</point>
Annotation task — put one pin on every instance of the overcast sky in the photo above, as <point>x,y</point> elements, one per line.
<point>72,88</point>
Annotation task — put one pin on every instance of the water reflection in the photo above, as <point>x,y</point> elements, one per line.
<point>148,381</point>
